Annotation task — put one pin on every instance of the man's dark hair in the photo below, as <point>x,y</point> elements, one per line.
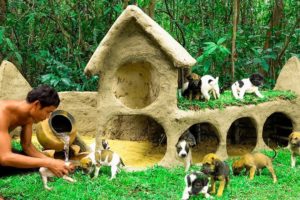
<point>46,95</point>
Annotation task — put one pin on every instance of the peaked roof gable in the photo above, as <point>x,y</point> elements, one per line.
<point>178,55</point>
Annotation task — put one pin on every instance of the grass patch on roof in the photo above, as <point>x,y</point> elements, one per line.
<point>226,99</point>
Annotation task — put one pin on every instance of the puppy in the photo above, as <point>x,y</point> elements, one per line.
<point>95,160</point>
<point>191,88</point>
<point>294,147</point>
<point>248,85</point>
<point>183,145</point>
<point>217,170</point>
<point>46,173</point>
<point>210,84</point>
<point>253,162</point>
<point>195,183</point>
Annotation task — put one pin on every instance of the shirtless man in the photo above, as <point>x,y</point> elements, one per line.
<point>39,104</point>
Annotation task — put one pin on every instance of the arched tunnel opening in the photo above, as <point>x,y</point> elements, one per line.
<point>241,137</point>
<point>277,128</point>
<point>138,139</point>
<point>206,140</point>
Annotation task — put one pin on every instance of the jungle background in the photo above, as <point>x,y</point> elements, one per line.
<point>51,41</point>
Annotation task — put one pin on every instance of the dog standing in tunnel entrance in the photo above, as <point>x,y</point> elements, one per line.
<point>185,142</point>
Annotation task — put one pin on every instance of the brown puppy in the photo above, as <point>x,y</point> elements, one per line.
<point>294,146</point>
<point>253,162</point>
<point>217,170</point>
<point>192,88</point>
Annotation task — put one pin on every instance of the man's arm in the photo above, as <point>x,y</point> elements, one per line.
<point>28,147</point>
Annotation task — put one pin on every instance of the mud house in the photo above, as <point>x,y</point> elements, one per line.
<point>138,64</point>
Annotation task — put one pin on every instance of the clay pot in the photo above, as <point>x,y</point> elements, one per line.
<point>58,123</point>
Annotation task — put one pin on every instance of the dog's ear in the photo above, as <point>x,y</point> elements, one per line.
<point>217,162</point>
<point>188,179</point>
<point>205,181</point>
<point>291,136</point>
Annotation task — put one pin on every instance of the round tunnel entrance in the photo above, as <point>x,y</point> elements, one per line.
<point>206,138</point>
<point>136,138</point>
<point>241,137</point>
<point>136,85</point>
<point>277,128</point>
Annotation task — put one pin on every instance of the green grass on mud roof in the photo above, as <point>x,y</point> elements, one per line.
<point>226,99</point>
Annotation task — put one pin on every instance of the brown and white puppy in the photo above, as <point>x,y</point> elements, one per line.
<point>252,162</point>
<point>217,170</point>
<point>46,173</point>
<point>99,158</point>
<point>294,146</point>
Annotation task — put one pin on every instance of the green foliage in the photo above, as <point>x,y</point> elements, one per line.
<point>155,183</point>
<point>37,35</point>
<point>226,99</point>
<point>213,53</point>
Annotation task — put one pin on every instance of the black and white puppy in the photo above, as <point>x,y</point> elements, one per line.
<point>248,85</point>
<point>185,142</point>
<point>210,84</point>
<point>195,183</point>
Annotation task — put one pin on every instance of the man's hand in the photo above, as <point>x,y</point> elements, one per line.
<point>59,167</point>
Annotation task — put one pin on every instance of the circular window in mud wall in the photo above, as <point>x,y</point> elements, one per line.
<point>138,139</point>
<point>277,129</point>
<point>206,140</point>
<point>241,137</point>
<point>136,85</point>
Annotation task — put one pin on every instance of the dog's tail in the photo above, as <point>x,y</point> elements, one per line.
<point>275,154</point>
<point>122,163</point>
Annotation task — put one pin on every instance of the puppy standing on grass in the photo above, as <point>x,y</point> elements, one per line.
<point>210,84</point>
<point>253,162</point>
<point>195,183</point>
<point>217,170</point>
<point>248,85</point>
<point>100,158</point>
<point>192,88</point>
<point>294,147</point>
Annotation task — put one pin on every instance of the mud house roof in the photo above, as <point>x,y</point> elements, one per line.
<point>178,55</point>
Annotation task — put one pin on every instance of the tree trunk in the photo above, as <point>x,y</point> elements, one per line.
<point>287,41</point>
<point>234,28</point>
<point>125,4</point>
<point>151,8</point>
<point>275,20</point>
<point>3,4</point>
<point>276,17</point>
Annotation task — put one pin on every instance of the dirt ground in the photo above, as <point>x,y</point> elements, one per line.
<point>147,154</point>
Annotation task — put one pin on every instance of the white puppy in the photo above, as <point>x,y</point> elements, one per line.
<point>210,84</point>
<point>45,173</point>
<point>247,85</point>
